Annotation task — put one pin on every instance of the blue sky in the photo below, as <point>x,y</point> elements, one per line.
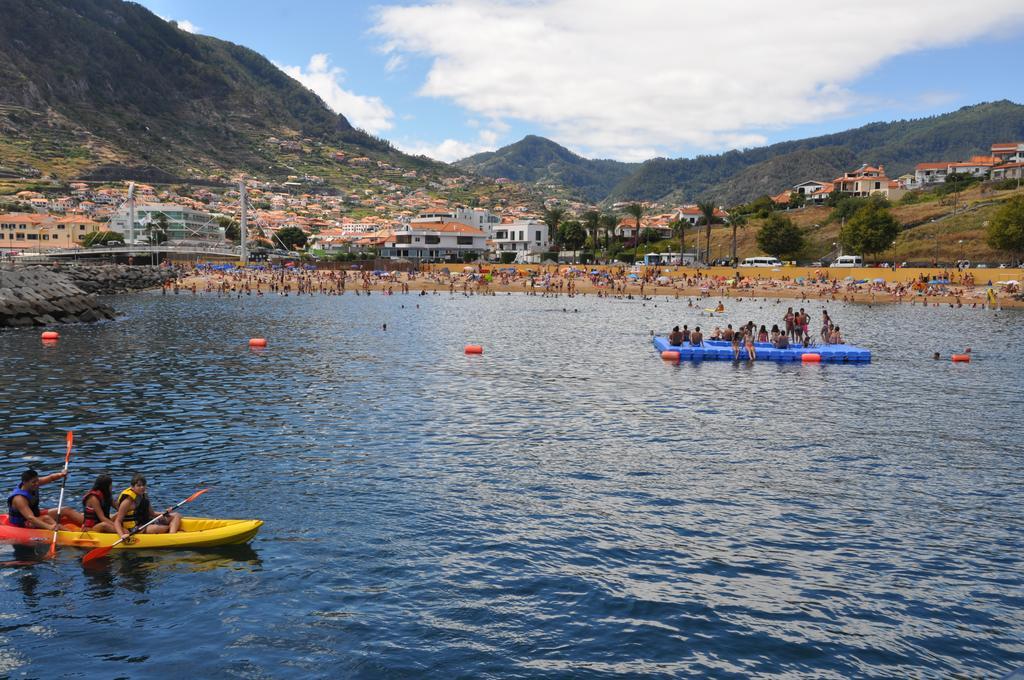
<point>667,78</point>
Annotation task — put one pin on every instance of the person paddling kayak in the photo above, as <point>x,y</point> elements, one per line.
<point>23,504</point>
<point>133,508</point>
<point>96,506</point>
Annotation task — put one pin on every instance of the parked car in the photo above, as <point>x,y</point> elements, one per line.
<point>848,261</point>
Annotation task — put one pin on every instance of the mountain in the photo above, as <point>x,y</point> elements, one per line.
<point>539,160</point>
<point>738,176</point>
<point>742,175</point>
<point>90,83</point>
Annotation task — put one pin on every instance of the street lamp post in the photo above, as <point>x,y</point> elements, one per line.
<point>894,255</point>
<point>961,242</point>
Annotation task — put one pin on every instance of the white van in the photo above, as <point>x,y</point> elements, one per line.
<point>761,262</point>
<point>848,261</point>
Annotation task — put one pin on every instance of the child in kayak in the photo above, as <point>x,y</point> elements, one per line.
<point>96,507</point>
<point>23,504</point>
<point>133,508</point>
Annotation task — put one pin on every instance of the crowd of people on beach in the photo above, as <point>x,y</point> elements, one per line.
<point>614,283</point>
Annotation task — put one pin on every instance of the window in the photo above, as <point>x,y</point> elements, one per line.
<point>60,226</point>
<point>81,227</point>
<point>878,185</point>
<point>46,237</point>
<point>403,238</point>
<point>21,237</point>
<point>465,240</point>
<point>432,240</point>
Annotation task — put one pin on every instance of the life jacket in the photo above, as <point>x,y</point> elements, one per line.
<point>91,518</point>
<point>134,517</point>
<point>15,518</point>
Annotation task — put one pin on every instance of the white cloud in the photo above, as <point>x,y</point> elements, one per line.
<point>368,113</point>
<point>452,149</point>
<point>183,24</point>
<point>665,74</point>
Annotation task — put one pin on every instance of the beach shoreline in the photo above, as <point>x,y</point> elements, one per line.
<point>886,287</point>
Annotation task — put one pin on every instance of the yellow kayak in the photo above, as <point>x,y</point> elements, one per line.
<point>196,532</point>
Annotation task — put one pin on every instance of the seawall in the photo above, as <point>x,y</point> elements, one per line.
<point>44,296</point>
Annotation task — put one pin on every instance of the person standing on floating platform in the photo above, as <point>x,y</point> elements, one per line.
<point>23,504</point>
<point>133,508</point>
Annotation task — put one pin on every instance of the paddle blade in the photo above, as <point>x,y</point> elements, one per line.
<point>194,496</point>
<point>71,439</point>
<point>52,552</point>
<point>96,554</point>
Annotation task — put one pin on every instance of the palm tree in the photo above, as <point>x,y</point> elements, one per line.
<point>553,217</point>
<point>592,219</point>
<point>736,220</point>
<point>609,221</point>
<point>707,209</point>
<point>678,228</point>
<point>637,211</point>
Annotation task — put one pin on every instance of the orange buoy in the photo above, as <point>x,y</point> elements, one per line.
<point>961,358</point>
<point>257,342</point>
<point>474,349</point>
<point>670,355</point>
<point>810,358</point>
<point>50,335</point>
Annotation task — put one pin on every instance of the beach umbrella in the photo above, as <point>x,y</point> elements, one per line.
<point>664,280</point>
<point>847,278</point>
<point>878,281</point>
<point>938,282</point>
<point>633,276</point>
<point>469,269</point>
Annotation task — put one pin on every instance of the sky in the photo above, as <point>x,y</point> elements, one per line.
<point>629,81</point>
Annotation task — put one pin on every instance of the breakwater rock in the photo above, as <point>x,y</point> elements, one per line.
<point>43,296</point>
<point>38,297</point>
<point>115,278</point>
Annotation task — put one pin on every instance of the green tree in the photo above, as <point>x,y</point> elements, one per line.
<point>592,220</point>
<point>230,227</point>
<point>507,257</point>
<point>553,218</point>
<point>157,230</point>
<point>779,236</point>
<point>796,200</point>
<point>707,210</point>
<point>871,229</point>
<point>737,220</point>
<point>1006,228</point>
<point>609,222</point>
<point>98,238</point>
<point>649,235</point>
<point>637,211</point>
<point>291,238</point>
<point>678,228</point>
<point>762,206</point>
<point>572,234</point>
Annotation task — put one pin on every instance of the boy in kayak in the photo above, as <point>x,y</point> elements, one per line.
<point>23,504</point>
<point>133,508</point>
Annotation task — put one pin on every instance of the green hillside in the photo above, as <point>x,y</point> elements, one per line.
<point>539,160</point>
<point>90,83</point>
<point>898,145</point>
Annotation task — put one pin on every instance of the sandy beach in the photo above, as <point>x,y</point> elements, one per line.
<point>865,285</point>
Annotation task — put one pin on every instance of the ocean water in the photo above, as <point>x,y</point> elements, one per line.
<point>565,505</point>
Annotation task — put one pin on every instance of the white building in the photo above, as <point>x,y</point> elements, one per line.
<point>1010,152</point>
<point>435,241</point>
<point>482,219</point>
<point>526,238</point>
<point>183,224</point>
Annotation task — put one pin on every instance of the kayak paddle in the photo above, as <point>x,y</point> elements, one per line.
<point>100,552</point>
<point>60,503</point>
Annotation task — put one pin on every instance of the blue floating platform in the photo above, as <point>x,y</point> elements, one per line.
<point>721,350</point>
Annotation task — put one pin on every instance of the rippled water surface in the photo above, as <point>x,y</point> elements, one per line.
<point>565,505</point>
